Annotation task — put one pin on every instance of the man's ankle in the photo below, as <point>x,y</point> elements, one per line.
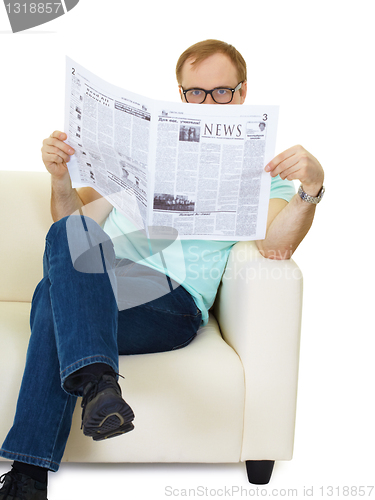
<point>40,474</point>
<point>80,378</point>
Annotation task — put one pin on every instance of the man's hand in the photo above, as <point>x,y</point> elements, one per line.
<point>288,223</point>
<point>64,199</point>
<point>298,164</point>
<point>56,154</point>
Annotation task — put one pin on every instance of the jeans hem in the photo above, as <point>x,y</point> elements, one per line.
<point>30,459</point>
<point>80,364</point>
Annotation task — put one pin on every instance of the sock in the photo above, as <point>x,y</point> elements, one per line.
<point>83,376</point>
<point>33,471</point>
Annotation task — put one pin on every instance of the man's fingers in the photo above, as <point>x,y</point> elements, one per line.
<point>284,156</point>
<point>290,173</point>
<point>52,145</point>
<point>285,166</point>
<point>56,151</point>
<point>55,154</point>
<point>60,145</point>
<point>59,135</point>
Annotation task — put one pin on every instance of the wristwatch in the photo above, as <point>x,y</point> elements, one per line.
<point>311,199</point>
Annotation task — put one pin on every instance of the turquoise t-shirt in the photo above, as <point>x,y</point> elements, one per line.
<point>197,264</point>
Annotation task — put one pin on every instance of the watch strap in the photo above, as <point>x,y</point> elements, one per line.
<point>311,199</point>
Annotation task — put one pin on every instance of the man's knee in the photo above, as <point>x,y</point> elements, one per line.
<point>90,248</point>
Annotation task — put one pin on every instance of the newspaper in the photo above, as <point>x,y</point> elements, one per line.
<point>198,169</point>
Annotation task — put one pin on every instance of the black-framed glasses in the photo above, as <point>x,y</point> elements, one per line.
<point>220,95</point>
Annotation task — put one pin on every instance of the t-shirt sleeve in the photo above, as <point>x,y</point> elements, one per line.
<point>283,189</point>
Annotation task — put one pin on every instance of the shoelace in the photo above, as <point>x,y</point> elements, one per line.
<point>93,388</point>
<point>15,485</point>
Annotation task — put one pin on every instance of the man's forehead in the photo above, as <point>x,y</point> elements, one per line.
<point>216,68</point>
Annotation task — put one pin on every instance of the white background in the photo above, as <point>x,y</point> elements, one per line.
<point>313,58</point>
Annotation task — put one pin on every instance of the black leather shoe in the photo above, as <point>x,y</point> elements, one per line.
<point>18,486</point>
<point>105,414</point>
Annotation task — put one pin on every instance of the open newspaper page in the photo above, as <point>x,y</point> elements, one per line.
<point>109,128</point>
<point>198,169</point>
<point>209,173</point>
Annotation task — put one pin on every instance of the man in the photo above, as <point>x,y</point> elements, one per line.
<point>75,316</point>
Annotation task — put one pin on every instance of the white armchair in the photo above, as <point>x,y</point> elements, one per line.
<point>229,396</point>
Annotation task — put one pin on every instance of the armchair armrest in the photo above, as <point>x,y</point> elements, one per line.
<point>258,308</point>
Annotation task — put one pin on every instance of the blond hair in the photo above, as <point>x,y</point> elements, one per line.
<point>202,50</point>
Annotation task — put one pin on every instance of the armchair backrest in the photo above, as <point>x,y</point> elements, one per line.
<point>24,222</point>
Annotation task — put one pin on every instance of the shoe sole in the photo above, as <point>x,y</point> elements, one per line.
<point>110,420</point>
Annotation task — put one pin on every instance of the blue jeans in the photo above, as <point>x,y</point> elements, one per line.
<point>75,321</point>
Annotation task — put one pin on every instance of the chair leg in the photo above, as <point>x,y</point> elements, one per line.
<point>259,471</point>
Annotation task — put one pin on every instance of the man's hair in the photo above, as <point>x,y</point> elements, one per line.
<point>202,50</point>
